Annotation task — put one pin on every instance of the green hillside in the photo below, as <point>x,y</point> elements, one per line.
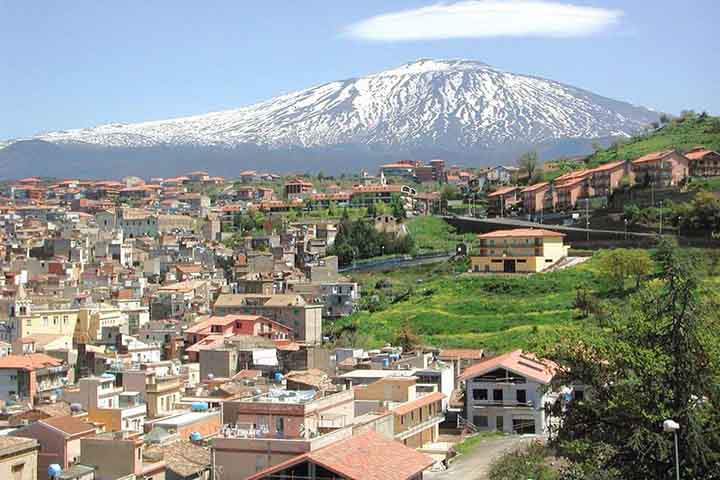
<point>460,310</point>
<point>682,134</point>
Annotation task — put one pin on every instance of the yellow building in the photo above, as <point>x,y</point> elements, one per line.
<point>91,321</point>
<point>30,319</point>
<point>519,250</point>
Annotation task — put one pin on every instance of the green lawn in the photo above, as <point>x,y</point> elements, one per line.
<point>474,311</point>
<point>433,234</point>
<point>471,443</point>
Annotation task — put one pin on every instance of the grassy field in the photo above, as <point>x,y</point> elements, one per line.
<point>682,135</point>
<point>432,234</point>
<point>450,309</point>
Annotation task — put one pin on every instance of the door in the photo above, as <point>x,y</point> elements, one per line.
<point>500,424</point>
<point>509,266</point>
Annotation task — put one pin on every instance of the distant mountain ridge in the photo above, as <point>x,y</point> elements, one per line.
<point>460,109</point>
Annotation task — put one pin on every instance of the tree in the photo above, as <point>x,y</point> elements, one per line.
<point>406,338</point>
<point>619,264</point>
<point>529,162</point>
<point>658,358</point>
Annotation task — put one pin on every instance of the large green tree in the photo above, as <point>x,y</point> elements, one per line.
<point>656,358</point>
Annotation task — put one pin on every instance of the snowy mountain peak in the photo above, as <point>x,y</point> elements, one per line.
<point>460,108</point>
<point>424,65</point>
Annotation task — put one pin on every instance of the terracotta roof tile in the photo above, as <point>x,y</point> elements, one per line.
<point>520,362</point>
<point>408,407</point>
<point>69,425</point>
<point>521,232</point>
<point>368,456</point>
<point>29,362</point>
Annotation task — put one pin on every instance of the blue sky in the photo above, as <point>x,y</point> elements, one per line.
<point>81,63</point>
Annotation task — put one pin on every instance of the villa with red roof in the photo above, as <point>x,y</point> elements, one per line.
<point>519,250</point>
<point>506,393</point>
<point>502,199</point>
<point>703,162</point>
<point>661,169</point>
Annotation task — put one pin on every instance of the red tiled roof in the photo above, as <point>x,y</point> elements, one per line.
<point>69,425</point>
<point>521,232</point>
<point>699,152</point>
<point>502,191</point>
<point>608,166</point>
<point>461,353</point>
<point>408,407</point>
<point>653,156</point>
<point>367,456</point>
<point>29,362</point>
<point>517,361</point>
<point>534,187</point>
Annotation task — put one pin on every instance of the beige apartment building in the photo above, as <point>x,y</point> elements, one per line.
<point>18,458</point>
<point>519,250</point>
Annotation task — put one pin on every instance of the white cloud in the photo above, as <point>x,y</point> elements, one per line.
<point>486,18</point>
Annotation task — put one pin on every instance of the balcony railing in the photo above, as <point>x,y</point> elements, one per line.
<point>503,403</point>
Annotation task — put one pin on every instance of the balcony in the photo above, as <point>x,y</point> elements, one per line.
<point>502,403</point>
<point>163,384</point>
<point>511,252</point>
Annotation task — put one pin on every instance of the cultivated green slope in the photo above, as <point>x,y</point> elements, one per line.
<point>479,311</point>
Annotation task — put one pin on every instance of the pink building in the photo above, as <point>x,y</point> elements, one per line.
<point>59,439</point>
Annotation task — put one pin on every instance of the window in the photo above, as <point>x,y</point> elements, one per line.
<point>522,396</point>
<point>498,395</point>
<point>480,394</point>
<point>17,471</point>
<point>259,463</point>
<point>578,395</point>
<point>480,421</point>
<point>280,425</point>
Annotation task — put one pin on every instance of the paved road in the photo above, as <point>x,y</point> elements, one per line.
<point>398,262</point>
<point>476,464</point>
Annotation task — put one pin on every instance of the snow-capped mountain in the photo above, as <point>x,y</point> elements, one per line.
<point>456,107</point>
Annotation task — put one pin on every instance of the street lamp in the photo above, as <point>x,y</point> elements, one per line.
<point>626,228</point>
<point>673,426</point>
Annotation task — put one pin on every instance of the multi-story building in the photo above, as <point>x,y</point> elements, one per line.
<point>59,439</point>
<point>159,386</point>
<point>661,169</point>
<point>94,392</point>
<point>297,188</point>
<point>178,299</point>
<point>533,197</point>
<point>403,168</point>
<point>519,250</point>
<point>606,178</point>
<point>31,377</point>
<point>339,299</point>
<point>703,162</point>
<point>95,322</point>
<point>271,428</point>
<point>305,319</point>
<point>503,200</point>
<point>507,393</point>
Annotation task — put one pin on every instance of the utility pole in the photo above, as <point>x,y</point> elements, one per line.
<point>587,219</point>
<point>661,205</point>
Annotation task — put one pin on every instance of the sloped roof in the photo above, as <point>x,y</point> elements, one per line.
<point>69,425</point>
<point>502,191</point>
<point>29,362</point>
<point>522,363</point>
<point>408,407</point>
<point>467,353</point>
<point>521,232</point>
<point>653,156</point>
<point>368,456</point>
<point>699,152</point>
<point>534,187</point>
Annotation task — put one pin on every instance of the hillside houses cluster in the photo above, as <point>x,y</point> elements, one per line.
<point>135,344</point>
<point>661,169</point>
